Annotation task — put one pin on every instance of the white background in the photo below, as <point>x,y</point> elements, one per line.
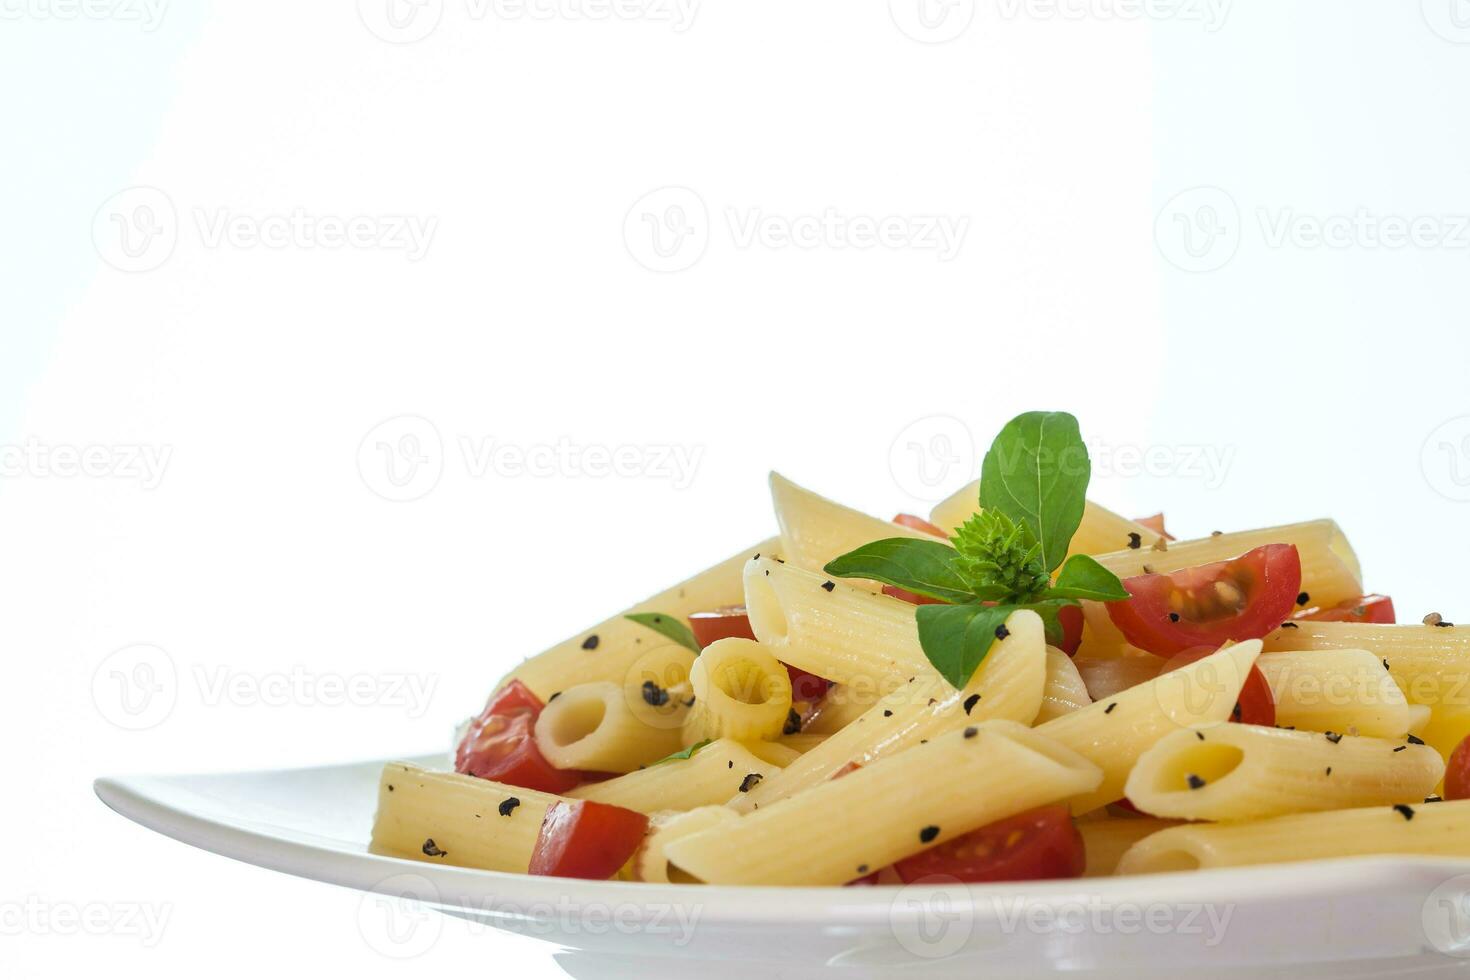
<point>274,378</point>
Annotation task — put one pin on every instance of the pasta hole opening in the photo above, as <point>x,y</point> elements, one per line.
<point>1173,860</point>
<point>1208,762</point>
<point>577,720</point>
<point>744,681</point>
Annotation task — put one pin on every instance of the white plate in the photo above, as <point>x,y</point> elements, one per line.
<point>1350,918</point>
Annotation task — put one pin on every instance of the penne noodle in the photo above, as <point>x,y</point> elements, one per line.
<point>843,705</point>
<point>652,864</point>
<point>712,775</point>
<point>1247,772</point>
<point>815,530</point>
<point>923,797</point>
<point>1335,691</point>
<point>1101,530</point>
<point>1430,664</point>
<point>1428,829</point>
<point>1064,692</point>
<point>1114,732</point>
<point>1008,685</point>
<point>608,650</point>
<point>740,692</point>
<point>1105,841</point>
<point>593,727</point>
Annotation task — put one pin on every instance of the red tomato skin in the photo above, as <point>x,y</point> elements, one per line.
<point>1254,706</point>
<point>1071,619</point>
<point>805,686</point>
<point>910,597</point>
<point>502,748</point>
<point>1156,525</point>
<point>1368,609</point>
<point>512,698</point>
<point>583,839</point>
<point>1457,773</point>
<point>919,524</point>
<point>1144,619</point>
<point>720,624</point>
<point>1050,847</point>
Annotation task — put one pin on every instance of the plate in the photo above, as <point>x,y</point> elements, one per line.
<point>1362,917</point>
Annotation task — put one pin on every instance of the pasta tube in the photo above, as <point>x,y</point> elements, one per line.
<point>1335,691</point>
<point>1105,841</point>
<point>592,727</point>
<point>814,530</point>
<point>740,692</point>
<point>1064,692</point>
<point>651,863</point>
<point>1246,772</point>
<point>1101,530</point>
<point>713,774</point>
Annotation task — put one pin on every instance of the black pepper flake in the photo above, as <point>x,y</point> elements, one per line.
<point>928,834</point>
<point>1135,540</point>
<point>1400,748</point>
<point>390,787</point>
<point>655,695</point>
<point>749,782</point>
<point>591,642</point>
<point>1333,737</point>
<point>1200,736</point>
<point>1405,811</point>
<point>793,723</point>
<point>730,764</point>
<point>1001,632</point>
<point>1109,709</point>
<point>862,869</point>
<point>757,556</point>
<point>1290,626</point>
<point>1329,770</point>
<point>1173,617</point>
<point>508,805</point>
<point>433,850</point>
<point>554,696</point>
<point>1414,739</point>
<point>1303,598</point>
<point>1216,534</point>
<point>970,703</point>
<point>1195,782</point>
<point>1444,622</point>
<point>971,732</point>
<point>887,713</point>
<point>932,702</point>
<point>1385,664</point>
<point>829,585</point>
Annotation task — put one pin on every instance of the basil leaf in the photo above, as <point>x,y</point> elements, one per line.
<point>682,753</point>
<point>1083,578</point>
<point>924,567</point>
<point>667,625</point>
<point>1037,471</point>
<point>957,638</point>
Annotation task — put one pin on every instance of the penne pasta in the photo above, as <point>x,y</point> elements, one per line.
<point>1430,664</point>
<point>1008,685</point>
<point>1113,733</point>
<point>446,818</point>
<point>1105,841</point>
<point>740,691</point>
<point>1247,772</point>
<point>1335,691</point>
<point>1064,691</point>
<point>652,864</point>
<point>842,706</point>
<point>1430,829</point>
<point>815,530</point>
<point>1101,530</point>
<point>926,796</point>
<point>593,727</point>
<point>712,775</point>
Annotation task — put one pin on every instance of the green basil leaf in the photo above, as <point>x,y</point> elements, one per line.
<point>957,638</point>
<point>1037,471</point>
<point>1083,578</point>
<point>682,753</point>
<point>669,626</point>
<point>924,567</point>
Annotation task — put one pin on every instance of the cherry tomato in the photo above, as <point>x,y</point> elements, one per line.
<point>501,744</point>
<point>806,687</point>
<point>1040,843</point>
<point>1156,525</point>
<point>720,624</point>
<point>910,597</point>
<point>919,524</point>
<point>1241,599</point>
<point>1368,609</point>
<point>583,839</point>
<point>867,879</point>
<point>1071,619</point>
<point>1254,706</point>
<point>1457,773</point>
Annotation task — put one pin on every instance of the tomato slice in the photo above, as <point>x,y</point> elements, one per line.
<point>1156,525</point>
<point>806,686</point>
<point>1071,619</point>
<point>1040,843</point>
<point>910,597</point>
<point>501,744</point>
<point>720,624</point>
<point>1209,605</point>
<point>919,524</point>
<point>1255,706</point>
<point>1457,773</point>
<point>1368,609</point>
<point>583,839</point>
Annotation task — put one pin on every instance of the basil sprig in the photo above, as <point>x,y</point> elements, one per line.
<point>1033,488</point>
<point>669,626</point>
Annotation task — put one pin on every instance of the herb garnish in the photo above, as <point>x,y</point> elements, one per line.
<point>687,753</point>
<point>666,625</point>
<point>1033,488</point>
